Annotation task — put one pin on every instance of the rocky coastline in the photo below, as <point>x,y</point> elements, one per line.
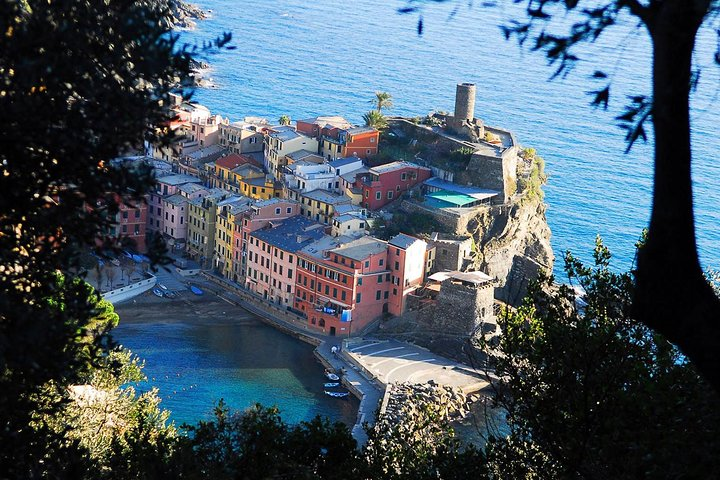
<point>185,15</point>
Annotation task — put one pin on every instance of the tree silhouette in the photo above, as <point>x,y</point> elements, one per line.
<point>81,84</point>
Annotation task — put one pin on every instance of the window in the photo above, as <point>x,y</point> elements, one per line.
<point>288,288</point>
<point>367,194</point>
<point>334,292</point>
<point>137,213</point>
<point>327,289</point>
<point>394,291</point>
<point>397,265</point>
<point>379,278</point>
<point>390,194</point>
<point>320,287</point>
<point>381,262</point>
<point>397,252</point>
<point>367,264</point>
<point>281,257</point>
<point>403,177</point>
<point>277,211</point>
<point>378,195</point>
<point>290,258</point>
<point>342,295</point>
<point>372,140</point>
<point>385,296</point>
<point>368,151</point>
<point>124,229</point>
<point>181,220</point>
<point>378,295</point>
<point>288,210</point>
<point>358,297</point>
<point>312,284</point>
<point>290,273</point>
<point>359,281</point>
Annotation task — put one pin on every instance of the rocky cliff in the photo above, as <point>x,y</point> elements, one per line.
<point>512,244</point>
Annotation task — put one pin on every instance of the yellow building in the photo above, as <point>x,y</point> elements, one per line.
<point>227,211</point>
<point>261,188</point>
<point>319,205</point>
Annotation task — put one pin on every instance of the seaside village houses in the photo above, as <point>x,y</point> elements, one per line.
<point>285,212</point>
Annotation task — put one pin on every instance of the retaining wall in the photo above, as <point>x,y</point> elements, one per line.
<point>130,291</point>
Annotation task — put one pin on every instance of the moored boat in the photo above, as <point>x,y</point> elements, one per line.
<point>337,394</point>
<point>195,290</point>
<point>158,292</point>
<point>331,376</point>
<point>332,385</point>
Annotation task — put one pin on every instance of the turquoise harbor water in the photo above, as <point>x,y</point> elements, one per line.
<point>198,353</point>
<point>328,57</point>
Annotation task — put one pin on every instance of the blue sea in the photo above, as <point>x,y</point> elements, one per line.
<point>328,57</point>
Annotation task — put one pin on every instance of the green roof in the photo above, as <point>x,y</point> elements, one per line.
<point>453,198</point>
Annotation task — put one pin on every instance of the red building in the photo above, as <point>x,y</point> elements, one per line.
<point>342,287</point>
<point>131,224</point>
<point>384,183</point>
<point>360,142</point>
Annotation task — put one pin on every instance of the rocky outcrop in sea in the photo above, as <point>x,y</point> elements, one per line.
<point>185,15</point>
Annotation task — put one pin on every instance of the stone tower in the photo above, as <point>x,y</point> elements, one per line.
<point>464,102</point>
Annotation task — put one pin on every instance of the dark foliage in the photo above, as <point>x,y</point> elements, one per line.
<point>591,393</point>
<point>80,83</point>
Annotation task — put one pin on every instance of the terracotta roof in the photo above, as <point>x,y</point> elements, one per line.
<point>235,160</point>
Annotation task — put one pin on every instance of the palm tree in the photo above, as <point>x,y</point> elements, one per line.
<point>284,120</point>
<point>375,119</point>
<point>382,100</point>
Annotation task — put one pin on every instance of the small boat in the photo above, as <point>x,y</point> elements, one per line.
<point>158,292</point>
<point>170,294</point>
<point>195,290</point>
<point>337,394</point>
<point>332,385</point>
<point>331,376</point>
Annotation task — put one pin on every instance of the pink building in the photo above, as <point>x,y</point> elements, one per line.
<point>385,183</point>
<point>406,260</point>
<point>271,257</point>
<point>260,215</point>
<point>166,186</point>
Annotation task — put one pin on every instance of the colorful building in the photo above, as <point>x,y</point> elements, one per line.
<point>261,188</point>
<point>319,205</point>
<point>242,137</point>
<point>385,183</point>
<point>166,186</point>
<point>202,212</point>
<point>313,127</point>
<point>407,258</point>
<point>282,142</point>
<point>360,142</point>
<point>261,214</point>
<point>271,256</point>
<point>131,224</point>
<point>225,225</point>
